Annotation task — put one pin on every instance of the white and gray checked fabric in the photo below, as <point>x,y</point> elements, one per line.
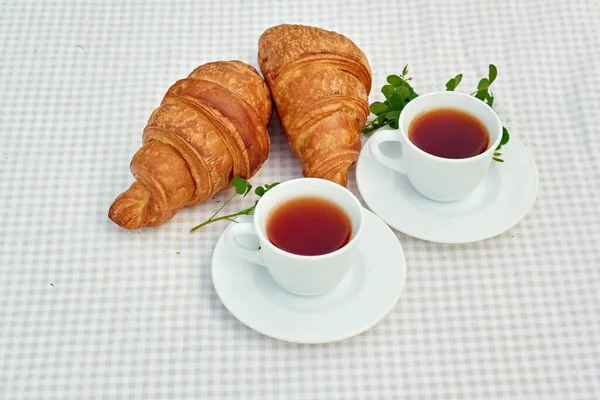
<point>88,310</point>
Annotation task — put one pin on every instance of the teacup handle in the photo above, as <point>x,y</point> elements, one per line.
<point>238,229</point>
<point>383,136</point>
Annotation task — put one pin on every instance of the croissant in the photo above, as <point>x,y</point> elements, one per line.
<point>320,81</point>
<point>209,127</point>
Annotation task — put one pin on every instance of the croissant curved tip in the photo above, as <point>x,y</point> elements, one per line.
<point>123,212</point>
<point>127,210</point>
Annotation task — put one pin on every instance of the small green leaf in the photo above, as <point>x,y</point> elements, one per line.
<point>241,185</point>
<point>393,124</point>
<point>405,70</point>
<point>497,159</point>
<point>492,74</point>
<point>481,94</point>
<point>378,108</point>
<point>259,190</point>
<point>453,82</point>
<point>505,136</point>
<point>490,99</point>
<point>497,154</point>
<point>457,80</point>
<point>394,80</point>
<point>237,181</point>
<point>381,118</point>
<point>387,91</point>
<point>396,103</point>
<point>393,115</point>
<point>404,92</point>
<point>483,84</point>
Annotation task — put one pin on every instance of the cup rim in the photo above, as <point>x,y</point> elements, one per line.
<point>264,240</point>
<point>491,147</point>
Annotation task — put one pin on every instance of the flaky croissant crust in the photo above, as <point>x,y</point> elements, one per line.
<point>320,81</point>
<point>209,127</point>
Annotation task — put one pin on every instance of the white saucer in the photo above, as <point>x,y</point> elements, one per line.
<point>496,205</point>
<point>365,296</point>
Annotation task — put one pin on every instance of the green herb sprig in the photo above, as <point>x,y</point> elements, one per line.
<point>242,188</point>
<point>398,93</point>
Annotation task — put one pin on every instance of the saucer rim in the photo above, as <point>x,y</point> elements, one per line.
<point>333,338</point>
<point>480,238</point>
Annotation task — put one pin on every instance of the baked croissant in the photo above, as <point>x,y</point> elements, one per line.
<point>209,127</point>
<point>320,81</point>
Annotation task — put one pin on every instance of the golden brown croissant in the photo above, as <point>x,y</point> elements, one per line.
<point>209,127</point>
<point>320,81</point>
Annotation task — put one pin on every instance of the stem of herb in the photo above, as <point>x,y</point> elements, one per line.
<point>223,206</point>
<point>228,217</point>
<point>213,219</point>
<point>210,221</point>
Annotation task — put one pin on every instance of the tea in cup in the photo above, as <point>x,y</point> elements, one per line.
<point>447,143</point>
<point>308,230</point>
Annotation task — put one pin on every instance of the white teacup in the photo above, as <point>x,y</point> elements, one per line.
<point>441,179</point>
<point>299,274</point>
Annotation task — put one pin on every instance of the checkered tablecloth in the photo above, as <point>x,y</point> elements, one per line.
<point>88,310</point>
